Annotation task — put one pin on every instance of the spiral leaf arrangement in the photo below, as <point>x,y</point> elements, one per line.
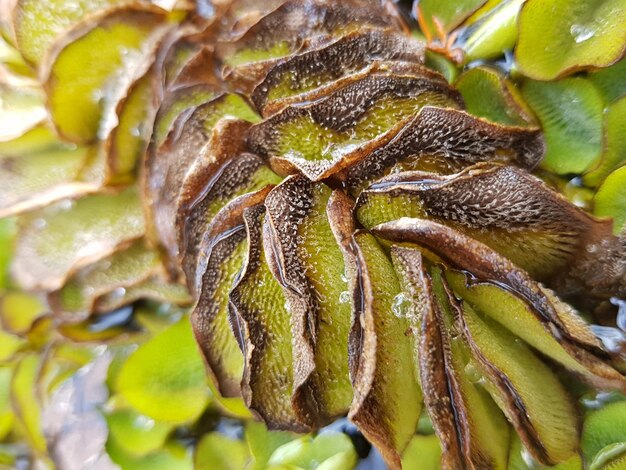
<point>353,240</point>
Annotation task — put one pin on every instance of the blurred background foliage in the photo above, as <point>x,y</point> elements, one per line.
<point>127,387</point>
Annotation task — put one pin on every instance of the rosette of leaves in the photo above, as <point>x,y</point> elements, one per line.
<point>356,235</point>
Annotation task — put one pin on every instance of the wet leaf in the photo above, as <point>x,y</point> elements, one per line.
<point>326,136</point>
<point>135,433</point>
<point>570,113</point>
<point>494,32</point>
<point>610,200</point>
<point>387,400</point>
<point>307,263</point>
<point>614,148</point>
<point>37,25</point>
<point>504,104</point>
<point>472,431</point>
<point>55,240</point>
<point>216,189</point>
<point>84,88</point>
<point>470,255</point>
<point>165,378</point>
<point>263,321</point>
<point>442,64</point>
<point>590,34</point>
<point>218,452</point>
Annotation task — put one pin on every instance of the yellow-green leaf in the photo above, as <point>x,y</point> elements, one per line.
<point>610,200</point>
<point>558,37</point>
<point>165,378</point>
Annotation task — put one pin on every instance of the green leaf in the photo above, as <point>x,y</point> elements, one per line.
<point>309,453</point>
<point>424,452</point>
<point>165,378</point>
<point>55,240</point>
<point>520,459</point>
<point>123,269</point>
<point>558,37</point>
<point>18,311</point>
<point>38,23</point>
<point>9,345</point>
<point>504,104</point>
<point>610,200</point>
<point>23,398</point>
<point>135,433</point>
<point>449,13</point>
<point>603,427</point>
<point>129,140</point>
<point>494,33</point>
<point>442,64</point>
<point>6,414</point>
<point>218,452</point>
<point>611,81</point>
<point>612,457</point>
<point>614,153</point>
<point>263,442</point>
<point>84,88</point>
<point>171,457</point>
<point>7,236</point>
<point>570,112</point>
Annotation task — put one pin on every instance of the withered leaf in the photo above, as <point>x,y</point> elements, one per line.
<point>210,316</point>
<point>259,307</point>
<point>486,264</point>
<point>504,207</point>
<point>306,260</point>
<point>332,133</point>
<point>455,139</point>
<point>290,80</point>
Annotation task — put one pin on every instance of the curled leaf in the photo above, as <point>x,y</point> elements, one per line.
<point>306,261</point>
<point>263,320</point>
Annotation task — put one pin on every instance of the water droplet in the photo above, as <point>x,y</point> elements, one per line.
<point>581,33</point>
<point>344,297</point>
<point>401,305</point>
